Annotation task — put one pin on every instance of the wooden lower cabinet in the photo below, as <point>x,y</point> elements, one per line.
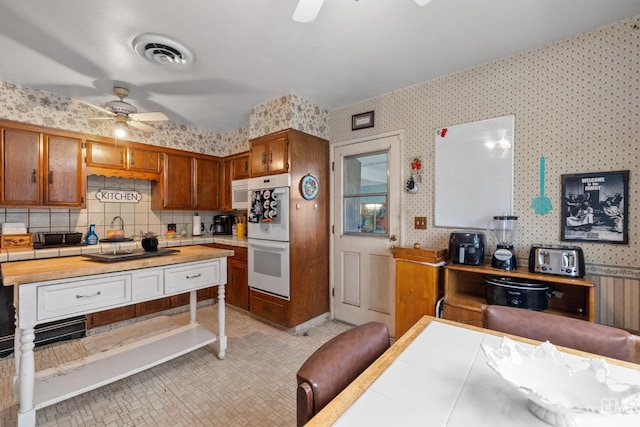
<point>237,288</point>
<point>107,317</point>
<point>419,285</point>
<point>120,314</point>
<point>464,314</point>
<point>269,307</point>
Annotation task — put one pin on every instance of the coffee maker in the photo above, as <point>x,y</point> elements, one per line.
<point>222,224</point>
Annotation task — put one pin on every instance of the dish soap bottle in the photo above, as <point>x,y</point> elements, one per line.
<point>91,238</point>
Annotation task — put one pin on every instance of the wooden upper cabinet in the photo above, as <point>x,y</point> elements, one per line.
<point>21,168</point>
<point>188,182</point>
<point>64,175</point>
<point>207,179</point>
<point>177,182</point>
<point>41,169</point>
<point>241,167</point>
<point>225,184</point>
<point>269,155</point>
<point>105,154</point>
<point>143,160</point>
<point>233,167</point>
<point>123,159</point>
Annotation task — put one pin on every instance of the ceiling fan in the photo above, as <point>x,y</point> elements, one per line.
<point>126,114</point>
<point>307,10</point>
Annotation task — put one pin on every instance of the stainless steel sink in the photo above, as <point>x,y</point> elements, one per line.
<point>134,254</point>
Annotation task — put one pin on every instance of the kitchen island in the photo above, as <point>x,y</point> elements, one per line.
<point>54,289</point>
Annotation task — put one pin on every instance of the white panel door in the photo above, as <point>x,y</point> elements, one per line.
<point>367,211</point>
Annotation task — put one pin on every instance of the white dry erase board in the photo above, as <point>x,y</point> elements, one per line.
<point>474,172</point>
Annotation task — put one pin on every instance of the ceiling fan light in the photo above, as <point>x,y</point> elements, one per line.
<point>120,129</point>
<point>422,2</point>
<point>307,10</point>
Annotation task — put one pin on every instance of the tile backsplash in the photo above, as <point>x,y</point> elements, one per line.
<point>136,216</point>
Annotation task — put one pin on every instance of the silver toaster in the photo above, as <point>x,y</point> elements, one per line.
<point>559,260</point>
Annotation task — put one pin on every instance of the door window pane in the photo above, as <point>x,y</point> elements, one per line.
<point>366,194</point>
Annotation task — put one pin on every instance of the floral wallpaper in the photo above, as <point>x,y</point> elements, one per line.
<point>286,112</point>
<point>28,105</point>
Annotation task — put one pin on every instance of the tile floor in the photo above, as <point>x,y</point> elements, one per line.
<point>253,386</point>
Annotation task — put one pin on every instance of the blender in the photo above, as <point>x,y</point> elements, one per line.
<point>503,229</point>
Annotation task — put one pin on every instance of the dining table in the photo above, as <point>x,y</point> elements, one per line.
<point>437,374</point>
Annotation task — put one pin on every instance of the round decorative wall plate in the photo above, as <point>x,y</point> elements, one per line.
<point>309,187</point>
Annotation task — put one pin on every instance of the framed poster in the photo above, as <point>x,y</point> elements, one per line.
<point>362,120</point>
<point>595,206</point>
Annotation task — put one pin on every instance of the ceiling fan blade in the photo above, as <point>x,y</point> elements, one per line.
<point>307,10</point>
<point>97,107</point>
<point>149,117</point>
<point>141,126</point>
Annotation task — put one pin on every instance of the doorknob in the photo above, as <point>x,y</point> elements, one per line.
<point>392,238</point>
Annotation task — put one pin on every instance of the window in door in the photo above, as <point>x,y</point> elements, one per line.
<point>366,193</point>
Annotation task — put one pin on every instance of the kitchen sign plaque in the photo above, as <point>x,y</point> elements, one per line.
<point>118,196</point>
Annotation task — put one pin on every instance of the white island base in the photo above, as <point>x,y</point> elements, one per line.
<point>71,379</point>
<point>40,301</point>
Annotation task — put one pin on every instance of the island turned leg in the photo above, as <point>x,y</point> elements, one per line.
<point>26,380</point>
<point>222,338</point>
<point>16,358</point>
<point>193,305</point>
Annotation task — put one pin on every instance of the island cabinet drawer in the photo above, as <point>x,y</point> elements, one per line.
<point>64,299</point>
<point>148,283</point>
<point>191,276</point>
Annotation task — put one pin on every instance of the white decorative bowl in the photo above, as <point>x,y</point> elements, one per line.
<point>564,393</point>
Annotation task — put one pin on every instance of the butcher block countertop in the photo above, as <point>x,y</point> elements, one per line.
<point>20,272</point>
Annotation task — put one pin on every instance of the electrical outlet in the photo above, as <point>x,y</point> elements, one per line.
<point>420,222</point>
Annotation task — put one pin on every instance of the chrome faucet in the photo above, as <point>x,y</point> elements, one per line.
<point>113,222</point>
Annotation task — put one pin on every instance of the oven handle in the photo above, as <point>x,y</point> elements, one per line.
<point>269,245</point>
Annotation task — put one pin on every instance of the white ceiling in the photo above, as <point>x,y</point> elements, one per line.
<point>248,52</point>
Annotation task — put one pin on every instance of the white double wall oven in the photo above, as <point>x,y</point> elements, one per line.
<point>268,234</point>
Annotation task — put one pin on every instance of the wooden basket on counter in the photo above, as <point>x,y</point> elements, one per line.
<point>16,241</point>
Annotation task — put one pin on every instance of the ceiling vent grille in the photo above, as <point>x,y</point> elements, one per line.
<point>162,50</point>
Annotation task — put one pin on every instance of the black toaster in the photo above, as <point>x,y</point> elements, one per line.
<point>558,260</point>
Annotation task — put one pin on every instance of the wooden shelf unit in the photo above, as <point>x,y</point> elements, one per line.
<point>465,293</point>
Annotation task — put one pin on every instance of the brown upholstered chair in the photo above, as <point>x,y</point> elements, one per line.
<point>336,364</point>
<point>563,331</point>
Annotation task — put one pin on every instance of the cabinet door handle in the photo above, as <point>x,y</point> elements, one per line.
<point>132,156</point>
<point>122,157</point>
<point>194,276</point>
<point>199,188</point>
<point>264,158</point>
<point>50,177</point>
<point>96,294</point>
<point>270,157</point>
<point>34,176</point>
